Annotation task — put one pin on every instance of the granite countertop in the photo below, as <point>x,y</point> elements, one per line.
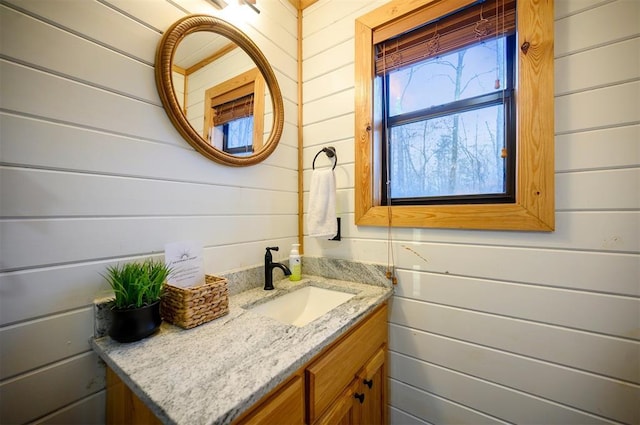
<point>212,373</point>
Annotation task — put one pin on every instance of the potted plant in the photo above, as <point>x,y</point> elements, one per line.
<point>135,312</point>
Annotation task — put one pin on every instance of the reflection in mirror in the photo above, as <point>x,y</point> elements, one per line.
<point>234,113</point>
<point>219,90</point>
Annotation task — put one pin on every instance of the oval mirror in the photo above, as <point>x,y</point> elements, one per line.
<point>219,91</point>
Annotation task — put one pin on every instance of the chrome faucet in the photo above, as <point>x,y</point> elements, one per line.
<point>269,265</point>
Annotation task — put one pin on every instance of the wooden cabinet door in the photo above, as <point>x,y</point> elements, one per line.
<point>363,402</point>
<point>337,367</point>
<point>371,391</point>
<point>284,406</point>
<point>344,410</point>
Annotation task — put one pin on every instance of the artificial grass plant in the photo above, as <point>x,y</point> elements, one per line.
<point>137,284</point>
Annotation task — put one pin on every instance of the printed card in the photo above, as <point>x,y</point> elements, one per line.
<point>187,262</point>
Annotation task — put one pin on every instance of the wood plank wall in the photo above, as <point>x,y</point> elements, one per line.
<point>92,172</point>
<point>510,327</point>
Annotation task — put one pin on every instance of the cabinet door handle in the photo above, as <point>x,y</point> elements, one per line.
<point>368,383</point>
<point>360,397</point>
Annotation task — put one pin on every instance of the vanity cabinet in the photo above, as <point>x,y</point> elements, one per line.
<point>344,384</point>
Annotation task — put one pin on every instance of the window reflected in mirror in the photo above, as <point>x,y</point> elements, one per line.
<point>233,113</point>
<point>222,93</point>
<point>236,136</point>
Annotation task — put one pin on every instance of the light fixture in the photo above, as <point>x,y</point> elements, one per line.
<point>251,4</point>
<point>220,4</point>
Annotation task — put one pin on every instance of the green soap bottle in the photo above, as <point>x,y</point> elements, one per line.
<point>295,263</point>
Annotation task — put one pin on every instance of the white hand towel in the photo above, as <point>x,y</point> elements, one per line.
<point>321,218</point>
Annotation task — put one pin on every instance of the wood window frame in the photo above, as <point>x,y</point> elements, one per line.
<point>534,207</point>
<point>250,81</point>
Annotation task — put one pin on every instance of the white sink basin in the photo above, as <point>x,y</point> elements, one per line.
<point>302,305</point>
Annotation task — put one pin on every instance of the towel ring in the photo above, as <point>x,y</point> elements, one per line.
<point>331,153</point>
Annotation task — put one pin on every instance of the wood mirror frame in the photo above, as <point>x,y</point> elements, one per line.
<point>164,82</point>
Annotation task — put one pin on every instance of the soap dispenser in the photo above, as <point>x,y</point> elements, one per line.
<point>295,263</point>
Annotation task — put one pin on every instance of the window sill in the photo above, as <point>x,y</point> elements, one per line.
<point>480,217</point>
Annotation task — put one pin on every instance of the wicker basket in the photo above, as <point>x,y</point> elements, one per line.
<point>190,307</point>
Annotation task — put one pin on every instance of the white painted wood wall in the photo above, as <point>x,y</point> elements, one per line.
<point>486,327</point>
<point>510,327</point>
<point>92,172</point>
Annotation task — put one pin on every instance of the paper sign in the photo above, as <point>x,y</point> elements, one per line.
<point>187,262</point>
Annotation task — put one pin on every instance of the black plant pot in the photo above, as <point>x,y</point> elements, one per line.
<point>128,325</point>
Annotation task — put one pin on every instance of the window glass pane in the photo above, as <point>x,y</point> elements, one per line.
<point>455,76</point>
<point>239,136</point>
<point>240,132</point>
<point>458,154</point>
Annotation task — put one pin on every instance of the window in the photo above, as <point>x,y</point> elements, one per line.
<point>454,115</point>
<point>446,90</point>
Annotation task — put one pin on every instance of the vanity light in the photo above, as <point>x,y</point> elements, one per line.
<point>251,4</point>
<point>220,4</point>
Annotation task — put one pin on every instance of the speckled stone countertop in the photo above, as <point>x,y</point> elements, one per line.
<point>212,373</point>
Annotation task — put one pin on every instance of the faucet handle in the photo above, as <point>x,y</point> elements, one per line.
<point>267,255</point>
